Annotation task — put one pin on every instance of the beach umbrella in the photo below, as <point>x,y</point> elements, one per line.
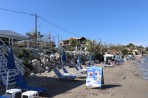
<point>10,64</point>
<point>63,57</point>
<point>91,58</point>
<point>79,60</point>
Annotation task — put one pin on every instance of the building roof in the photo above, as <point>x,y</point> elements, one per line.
<point>12,34</point>
<point>77,38</point>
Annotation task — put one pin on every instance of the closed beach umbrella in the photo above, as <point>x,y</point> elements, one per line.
<point>79,60</point>
<point>10,64</point>
<point>63,58</point>
<point>91,58</point>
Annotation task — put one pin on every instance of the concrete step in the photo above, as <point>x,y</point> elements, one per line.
<point>12,83</point>
<point>12,80</point>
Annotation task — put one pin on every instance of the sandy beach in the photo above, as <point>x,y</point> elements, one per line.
<point>123,81</point>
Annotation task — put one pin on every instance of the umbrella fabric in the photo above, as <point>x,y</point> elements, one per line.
<point>91,57</point>
<point>63,58</point>
<point>79,60</point>
<point>11,62</point>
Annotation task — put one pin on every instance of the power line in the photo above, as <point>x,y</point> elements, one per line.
<point>40,18</point>
<point>58,26</point>
<point>17,12</point>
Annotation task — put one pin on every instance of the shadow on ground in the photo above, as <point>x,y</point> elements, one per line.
<point>107,86</point>
<point>54,86</point>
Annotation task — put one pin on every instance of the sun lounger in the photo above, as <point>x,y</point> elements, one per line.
<point>4,96</point>
<point>119,62</point>
<point>82,68</point>
<point>63,76</point>
<point>79,71</point>
<point>20,82</point>
<point>107,65</point>
<point>67,73</point>
<point>64,70</point>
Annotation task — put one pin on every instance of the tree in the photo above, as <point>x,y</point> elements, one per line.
<point>40,36</point>
<point>52,44</point>
<point>95,48</point>
<point>32,36</point>
<point>130,45</point>
<point>146,49</point>
<point>124,51</point>
<point>90,45</point>
<point>73,43</point>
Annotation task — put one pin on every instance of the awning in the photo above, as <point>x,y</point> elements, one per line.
<point>12,35</point>
<point>108,55</point>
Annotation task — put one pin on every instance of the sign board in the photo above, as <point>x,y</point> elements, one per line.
<point>94,77</point>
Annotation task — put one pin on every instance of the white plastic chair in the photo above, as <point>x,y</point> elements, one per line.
<point>30,94</point>
<point>15,93</point>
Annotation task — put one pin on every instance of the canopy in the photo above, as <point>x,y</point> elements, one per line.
<point>108,55</point>
<point>12,35</point>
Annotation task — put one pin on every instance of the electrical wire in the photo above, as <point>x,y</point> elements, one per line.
<point>42,19</point>
<point>59,27</point>
<point>17,12</point>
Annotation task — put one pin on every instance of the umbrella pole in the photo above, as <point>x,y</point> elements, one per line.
<point>62,64</point>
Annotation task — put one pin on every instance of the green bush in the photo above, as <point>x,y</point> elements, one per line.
<point>98,56</point>
<point>25,55</point>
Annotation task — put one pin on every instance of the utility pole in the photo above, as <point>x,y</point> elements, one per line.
<point>36,31</point>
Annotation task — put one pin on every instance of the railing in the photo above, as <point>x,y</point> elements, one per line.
<point>19,65</point>
<point>3,78</point>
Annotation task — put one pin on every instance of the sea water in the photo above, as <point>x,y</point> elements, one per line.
<point>144,67</point>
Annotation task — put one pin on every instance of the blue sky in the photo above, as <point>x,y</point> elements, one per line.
<point>111,21</point>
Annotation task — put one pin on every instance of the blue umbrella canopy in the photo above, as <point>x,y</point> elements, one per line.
<point>63,58</point>
<point>79,60</point>
<point>11,62</point>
